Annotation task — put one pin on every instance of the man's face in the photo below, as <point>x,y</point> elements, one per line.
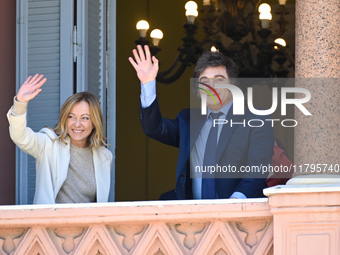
<point>213,76</point>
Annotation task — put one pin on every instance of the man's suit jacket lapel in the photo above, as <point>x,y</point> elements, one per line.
<point>196,123</point>
<point>192,131</point>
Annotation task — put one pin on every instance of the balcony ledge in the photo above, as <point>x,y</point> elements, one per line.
<point>241,226</point>
<point>134,211</point>
<point>294,219</point>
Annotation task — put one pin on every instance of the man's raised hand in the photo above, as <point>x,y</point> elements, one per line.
<point>145,65</point>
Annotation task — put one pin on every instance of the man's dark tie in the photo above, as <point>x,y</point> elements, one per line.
<point>208,179</point>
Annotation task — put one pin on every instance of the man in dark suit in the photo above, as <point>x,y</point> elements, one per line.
<point>215,161</point>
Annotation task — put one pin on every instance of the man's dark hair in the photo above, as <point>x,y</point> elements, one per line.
<point>214,59</point>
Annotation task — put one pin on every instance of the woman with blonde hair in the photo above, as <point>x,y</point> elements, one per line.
<point>72,164</point>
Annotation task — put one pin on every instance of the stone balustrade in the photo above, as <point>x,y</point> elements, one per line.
<point>155,228</point>
<point>293,220</point>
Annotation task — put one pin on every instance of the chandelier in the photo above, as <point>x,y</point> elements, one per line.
<point>231,27</point>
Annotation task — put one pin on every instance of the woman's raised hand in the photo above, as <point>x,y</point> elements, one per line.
<point>30,88</point>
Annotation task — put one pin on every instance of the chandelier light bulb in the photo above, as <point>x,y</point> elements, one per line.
<point>142,26</point>
<point>264,8</point>
<point>191,5</point>
<point>156,33</point>
<point>156,36</point>
<point>191,15</point>
<point>191,12</point>
<point>265,16</point>
<point>281,42</point>
<point>214,12</point>
<point>213,49</point>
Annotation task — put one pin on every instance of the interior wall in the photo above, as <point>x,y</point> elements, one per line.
<point>146,168</point>
<point>7,74</point>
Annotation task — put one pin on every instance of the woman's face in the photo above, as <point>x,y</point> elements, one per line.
<point>79,124</point>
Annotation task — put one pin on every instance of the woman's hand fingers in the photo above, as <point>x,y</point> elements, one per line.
<point>40,83</point>
<point>31,88</point>
<point>33,79</point>
<point>27,80</point>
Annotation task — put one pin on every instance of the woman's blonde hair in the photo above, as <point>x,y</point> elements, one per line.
<point>96,138</point>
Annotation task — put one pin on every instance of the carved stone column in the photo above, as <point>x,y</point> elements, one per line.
<point>306,219</point>
<point>317,137</point>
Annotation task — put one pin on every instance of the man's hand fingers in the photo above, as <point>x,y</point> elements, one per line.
<point>147,52</point>
<point>133,63</point>
<point>155,62</point>
<point>141,52</point>
<point>135,54</point>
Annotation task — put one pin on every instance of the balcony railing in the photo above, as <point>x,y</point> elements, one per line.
<point>181,227</point>
<point>293,220</point>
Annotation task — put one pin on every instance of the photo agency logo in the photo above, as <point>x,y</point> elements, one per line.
<point>239,103</point>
